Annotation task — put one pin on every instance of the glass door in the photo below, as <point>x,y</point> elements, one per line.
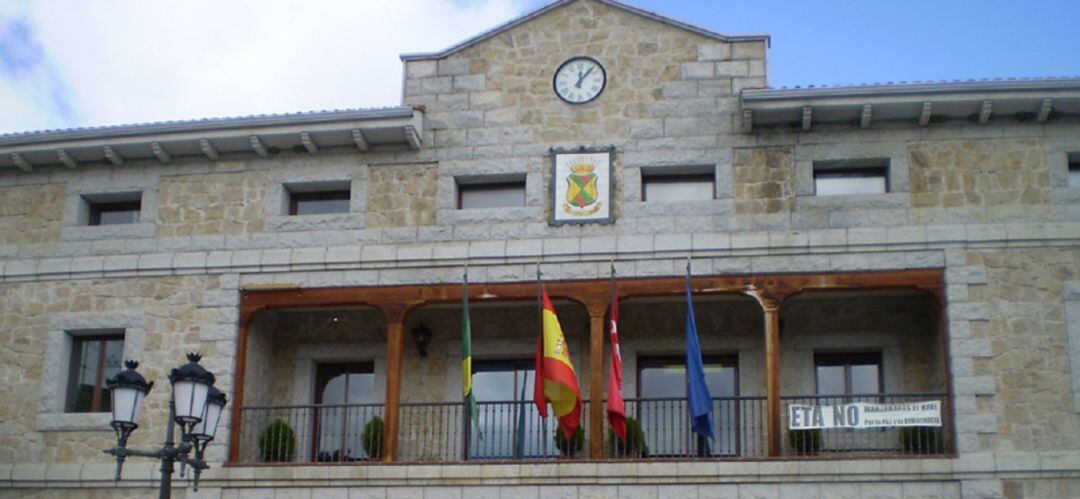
<point>339,418</point>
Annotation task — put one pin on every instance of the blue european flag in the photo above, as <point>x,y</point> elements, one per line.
<point>700,400</point>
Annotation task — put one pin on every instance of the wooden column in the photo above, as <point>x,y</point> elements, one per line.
<point>237,401</point>
<point>395,350</point>
<point>596,379</point>
<point>772,373</point>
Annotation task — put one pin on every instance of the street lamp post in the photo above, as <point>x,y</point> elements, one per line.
<point>195,406</point>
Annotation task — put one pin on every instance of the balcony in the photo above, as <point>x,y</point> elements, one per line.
<point>332,380</point>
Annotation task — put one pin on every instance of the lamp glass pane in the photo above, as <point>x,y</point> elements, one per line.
<point>210,421</point>
<point>190,398</point>
<point>125,404</point>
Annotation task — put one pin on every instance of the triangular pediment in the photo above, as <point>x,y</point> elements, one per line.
<point>547,9</point>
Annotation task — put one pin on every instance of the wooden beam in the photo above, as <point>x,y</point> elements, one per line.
<point>208,149</point>
<point>772,375</point>
<point>66,159</point>
<point>867,113</point>
<point>358,139</point>
<point>1044,110</point>
<point>807,118</point>
<point>309,143</point>
<point>584,290</point>
<point>986,111</point>
<point>924,116</point>
<point>159,151</point>
<point>412,137</point>
<point>21,162</point>
<point>258,146</point>
<point>236,419</point>
<point>597,311</point>
<point>113,156</point>
<point>747,120</point>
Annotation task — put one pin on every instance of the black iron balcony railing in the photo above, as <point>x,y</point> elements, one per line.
<point>512,430</point>
<point>311,433</point>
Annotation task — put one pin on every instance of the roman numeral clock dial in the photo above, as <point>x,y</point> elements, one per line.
<point>579,80</point>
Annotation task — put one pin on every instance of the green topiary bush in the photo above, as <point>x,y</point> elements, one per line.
<point>373,437</point>
<point>572,446</point>
<point>634,446</point>
<point>278,442</point>
<point>805,441</point>
<point>919,440</point>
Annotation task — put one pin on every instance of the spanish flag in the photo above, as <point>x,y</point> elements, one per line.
<point>556,382</point>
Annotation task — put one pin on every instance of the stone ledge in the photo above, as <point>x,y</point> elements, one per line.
<point>61,421</point>
<point>977,466</point>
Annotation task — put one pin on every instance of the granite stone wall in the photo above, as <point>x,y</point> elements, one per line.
<point>979,173</point>
<point>401,195</point>
<point>214,204</point>
<point>31,214</point>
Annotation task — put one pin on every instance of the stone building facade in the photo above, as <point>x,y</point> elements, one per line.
<point>961,277</point>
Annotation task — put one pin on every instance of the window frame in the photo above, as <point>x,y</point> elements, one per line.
<point>847,360</point>
<point>698,444</point>
<point>852,168</point>
<point>74,365</point>
<point>297,197</point>
<point>514,365</point>
<point>479,187</point>
<point>675,178</point>
<point>96,208</point>
<point>1072,171</point>
<point>324,373</point>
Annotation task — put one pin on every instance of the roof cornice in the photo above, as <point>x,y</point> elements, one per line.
<point>939,88</point>
<point>358,129</point>
<point>203,125</point>
<point>561,3</point>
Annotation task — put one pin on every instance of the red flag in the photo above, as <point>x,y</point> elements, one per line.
<point>616,407</point>
<point>556,379</point>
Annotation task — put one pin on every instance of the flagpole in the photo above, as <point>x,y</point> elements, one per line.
<point>538,372</point>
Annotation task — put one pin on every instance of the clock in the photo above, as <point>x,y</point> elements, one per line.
<point>579,80</point>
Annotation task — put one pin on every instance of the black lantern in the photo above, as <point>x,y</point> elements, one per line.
<point>206,428</point>
<point>127,389</point>
<point>191,383</point>
<point>422,337</point>
<point>195,406</point>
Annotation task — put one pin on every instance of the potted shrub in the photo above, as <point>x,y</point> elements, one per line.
<point>372,438</point>
<point>569,447</point>
<point>277,442</point>
<point>805,441</point>
<point>919,440</point>
<point>634,446</point>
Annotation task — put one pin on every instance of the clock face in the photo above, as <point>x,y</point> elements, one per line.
<point>579,80</point>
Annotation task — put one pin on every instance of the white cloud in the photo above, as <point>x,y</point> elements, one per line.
<point>124,61</point>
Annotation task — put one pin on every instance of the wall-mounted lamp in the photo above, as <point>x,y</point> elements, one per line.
<point>422,336</point>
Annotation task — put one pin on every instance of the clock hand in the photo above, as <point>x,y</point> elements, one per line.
<point>581,77</point>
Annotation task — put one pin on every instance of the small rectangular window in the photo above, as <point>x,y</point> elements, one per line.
<point>667,188</point>
<point>93,360</point>
<point>1074,171</point>
<point>491,195</point>
<point>116,212</point>
<point>848,373</point>
<point>833,178</point>
<point>319,202</point>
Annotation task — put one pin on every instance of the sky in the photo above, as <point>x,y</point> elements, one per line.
<point>74,63</point>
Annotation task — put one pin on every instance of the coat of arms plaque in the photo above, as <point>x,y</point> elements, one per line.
<point>582,186</point>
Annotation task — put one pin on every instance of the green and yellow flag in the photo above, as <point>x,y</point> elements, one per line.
<point>466,356</point>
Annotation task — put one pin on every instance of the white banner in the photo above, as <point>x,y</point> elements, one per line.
<point>864,415</point>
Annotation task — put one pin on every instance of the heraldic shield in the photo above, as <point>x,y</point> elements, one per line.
<point>581,190</point>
